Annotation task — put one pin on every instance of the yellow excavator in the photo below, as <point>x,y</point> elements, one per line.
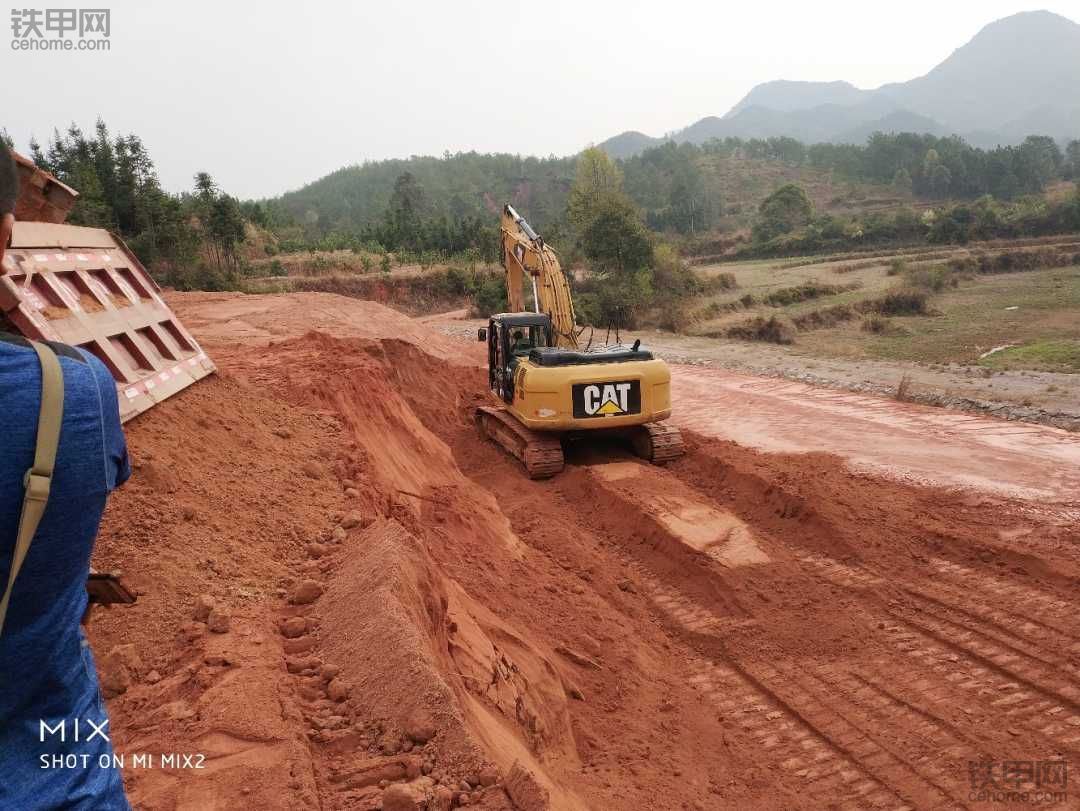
<point>550,388</point>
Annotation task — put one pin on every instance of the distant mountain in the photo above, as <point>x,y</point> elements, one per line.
<point>898,121</point>
<point>785,96</point>
<point>1018,76</point>
<point>630,143</point>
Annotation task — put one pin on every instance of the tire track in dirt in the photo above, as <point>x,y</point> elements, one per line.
<point>787,712</point>
<point>971,662</point>
<point>879,730</point>
<point>826,742</point>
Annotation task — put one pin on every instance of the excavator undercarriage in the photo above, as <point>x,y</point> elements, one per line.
<point>542,452</point>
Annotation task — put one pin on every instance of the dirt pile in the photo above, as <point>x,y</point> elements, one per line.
<point>404,621</point>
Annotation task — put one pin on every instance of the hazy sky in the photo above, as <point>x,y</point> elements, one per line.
<point>270,96</point>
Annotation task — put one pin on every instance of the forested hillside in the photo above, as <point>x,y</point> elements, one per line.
<point>189,240</point>
<point>681,188</point>
<point>705,199</point>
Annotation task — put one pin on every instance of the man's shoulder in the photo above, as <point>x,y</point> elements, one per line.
<point>83,369</point>
<point>61,350</point>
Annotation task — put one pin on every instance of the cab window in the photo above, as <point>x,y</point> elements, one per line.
<point>525,338</point>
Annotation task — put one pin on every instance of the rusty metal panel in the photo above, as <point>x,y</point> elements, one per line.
<point>42,197</point>
<point>82,286</point>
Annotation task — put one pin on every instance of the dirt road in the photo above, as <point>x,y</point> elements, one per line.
<point>923,443</point>
<point>760,625</point>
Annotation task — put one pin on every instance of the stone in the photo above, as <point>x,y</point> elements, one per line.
<point>352,492</point>
<point>301,665</point>
<point>489,776</point>
<point>412,796</point>
<point>307,592</point>
<point>524,791</point>
<point>444,799</point>
<point>294,627</point>
<point>313,470</point>
<point>420,727</point>
<point>352,520</point>
<point>338,535</point>
<point>338,690</point>
<point>283,433</point>
<point>153,677</point>
<point>300,645</point>
<point>328,672</point>
<point>204,604</point>
<point>114,673</point>
<point>192,630</point>
<point>316,550</point>
<point>219,620</point>
<point>131,659</point>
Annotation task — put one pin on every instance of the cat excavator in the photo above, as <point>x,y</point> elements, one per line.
<point>552,390</point>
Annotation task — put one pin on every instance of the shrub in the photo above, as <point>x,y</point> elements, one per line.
<point>1014,261</point>
<point>825,317</point>
<point>488,295</point>
<point>901,302</point>
<point>896,267</point>
<point>804,292</point>
<point>935,278</point>
<point>277,269</point>
<point>903,388</point>
<point>772,330</point>
<point>722,281</point>
<point>877,324</point>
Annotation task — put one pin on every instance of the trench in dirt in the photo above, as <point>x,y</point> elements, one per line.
<point>738,629</point>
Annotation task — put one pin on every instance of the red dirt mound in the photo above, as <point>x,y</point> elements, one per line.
<point>348,601</point>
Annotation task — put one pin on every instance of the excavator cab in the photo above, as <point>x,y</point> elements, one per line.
<point>511,337</point>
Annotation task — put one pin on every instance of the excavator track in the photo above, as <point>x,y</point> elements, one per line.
<point>541,454</point>
<point>658,442</point>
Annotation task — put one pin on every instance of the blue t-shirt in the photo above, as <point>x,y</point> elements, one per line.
<point>47,671</point>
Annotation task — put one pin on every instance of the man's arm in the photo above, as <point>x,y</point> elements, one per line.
<point>9,195</point>
<point>116,453</point>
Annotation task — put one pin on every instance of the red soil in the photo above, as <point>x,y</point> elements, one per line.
<point>740,630</point>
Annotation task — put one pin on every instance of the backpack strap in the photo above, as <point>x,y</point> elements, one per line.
<point>38,479</point>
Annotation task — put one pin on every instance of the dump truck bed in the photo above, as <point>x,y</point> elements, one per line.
<point>82,286</point>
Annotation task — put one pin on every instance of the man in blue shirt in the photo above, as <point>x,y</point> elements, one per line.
<point>55,751</point>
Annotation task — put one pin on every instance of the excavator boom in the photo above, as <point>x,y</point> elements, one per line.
<point>525,254</point>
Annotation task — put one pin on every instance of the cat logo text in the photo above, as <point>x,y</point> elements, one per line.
<point>613,399</point>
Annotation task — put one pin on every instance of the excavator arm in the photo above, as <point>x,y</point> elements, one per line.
<point>525,254</point>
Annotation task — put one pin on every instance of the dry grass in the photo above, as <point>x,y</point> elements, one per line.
<point>903,389</point>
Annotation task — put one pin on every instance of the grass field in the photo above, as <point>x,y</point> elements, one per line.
<point>1031,318</point>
